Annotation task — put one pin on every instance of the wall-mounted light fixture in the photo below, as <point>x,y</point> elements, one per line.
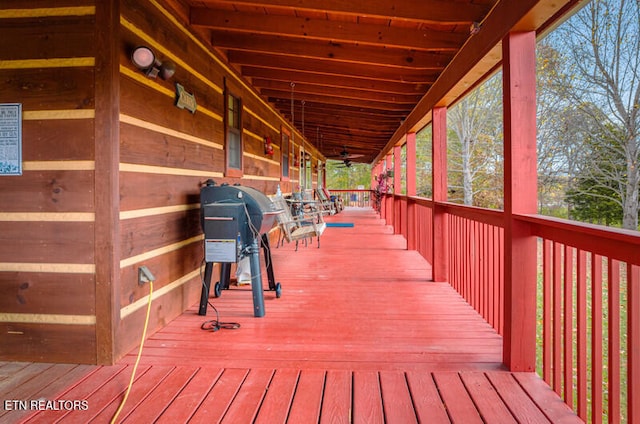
<point>145,60</point>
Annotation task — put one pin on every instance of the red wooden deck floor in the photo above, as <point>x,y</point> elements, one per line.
<point>360,334</point>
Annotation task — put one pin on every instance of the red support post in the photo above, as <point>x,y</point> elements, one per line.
<point>411,191</point>
<point>388,161</point>
<point>397,170</point>
<point>375,170</point>
<point>397,188</point>
<point>520,197</point>
<point>440,239</point>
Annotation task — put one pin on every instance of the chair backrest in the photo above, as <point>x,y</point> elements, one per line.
<point>280,203</point>
<point>322,195</point>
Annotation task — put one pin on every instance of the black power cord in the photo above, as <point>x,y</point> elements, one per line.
<point>214,325</point>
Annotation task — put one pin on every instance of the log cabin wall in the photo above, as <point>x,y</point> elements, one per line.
<point>47,215</point>
<point>112,173</point>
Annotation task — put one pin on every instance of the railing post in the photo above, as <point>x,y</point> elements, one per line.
<point>520,197</point>
<point>389,209</point>
<point>397,188</point>
<point>411,191</point>
<point>440,241</point>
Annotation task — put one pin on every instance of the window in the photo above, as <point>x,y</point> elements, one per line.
<point>285,148</point>
<point>234,134</point>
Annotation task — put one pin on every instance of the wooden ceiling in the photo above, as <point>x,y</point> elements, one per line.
<point>355,69</point>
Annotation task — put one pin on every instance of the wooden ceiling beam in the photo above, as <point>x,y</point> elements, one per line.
<point>327,30</point>
<point>315,123</point>
<point>341,92</point>
<point>332,100</point>
<point>329,67</point>
<point>355,132</point>
<point>342,52</point>
<point>434,11</point>
<point>336,81</point>
<point>319,120</point>
<point>284,104</point>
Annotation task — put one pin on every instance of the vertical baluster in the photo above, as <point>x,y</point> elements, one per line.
<point>568,326</point>
<point>581,313</point>
<point>557,318</point>
<point>613,368</point>
<point>633,343</point>
<point>547,308</point>
<point>596,339</point>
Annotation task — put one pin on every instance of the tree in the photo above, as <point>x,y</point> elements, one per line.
<point>424,178</point>
<point>475,145</point>
<point>593,195</point>
<point>340,177</point>
<point>599,48</point>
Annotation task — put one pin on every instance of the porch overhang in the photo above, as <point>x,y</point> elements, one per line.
<point>358,77</point>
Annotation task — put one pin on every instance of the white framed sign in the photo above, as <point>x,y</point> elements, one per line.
<point>10,139</point>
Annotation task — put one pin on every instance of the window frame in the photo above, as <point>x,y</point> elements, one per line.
<point>231,171</point>
<point>285,152</point>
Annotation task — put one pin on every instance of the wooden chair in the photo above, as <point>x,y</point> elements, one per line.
<point>337,200</point>
<point>296,228</point>
<point>325,202</point>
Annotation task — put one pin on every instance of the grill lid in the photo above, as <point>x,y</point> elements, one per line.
<point>262,212</point>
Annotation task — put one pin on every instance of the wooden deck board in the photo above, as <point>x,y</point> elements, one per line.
<point>307,401</point>
<point>216,404</point>
<point>191,396</point>
<point>398,405</point>
<point>277,402</point>
<point>522,407</point>
<point>486,398</point>
<point>164,394</point>
<point>336,400</point>
<point>458,404</point>
<point>249,398</point>
<point>367,398</point>
<point>81,390</point>
<point>360,334</point>
<point>430,407</point>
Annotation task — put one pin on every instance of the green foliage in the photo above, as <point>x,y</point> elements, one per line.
<point>423,163</point>
<point>594,196</point>
<point>340,177</point>
<point>593,202</point>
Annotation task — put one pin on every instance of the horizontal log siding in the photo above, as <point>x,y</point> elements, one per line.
<point>47,264</point>
<point>166,154</point>
<point>48,257</point>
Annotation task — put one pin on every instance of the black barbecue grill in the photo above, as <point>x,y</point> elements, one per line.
<point>233,218</point>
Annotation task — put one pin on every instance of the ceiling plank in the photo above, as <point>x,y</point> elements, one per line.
<point>336,81</point>
<point>332,100</point>
<point>303,88</point>
<point>330,67</point>
<point>437,11</point>
<point>343,52</point>
<point>327,30</point>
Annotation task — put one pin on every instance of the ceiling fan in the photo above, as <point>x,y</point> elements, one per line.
<point>345,156</point>
<point>346,164</point>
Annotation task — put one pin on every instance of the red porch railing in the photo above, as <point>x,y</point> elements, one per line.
<point>589,296</point>
<point>357,198</point>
